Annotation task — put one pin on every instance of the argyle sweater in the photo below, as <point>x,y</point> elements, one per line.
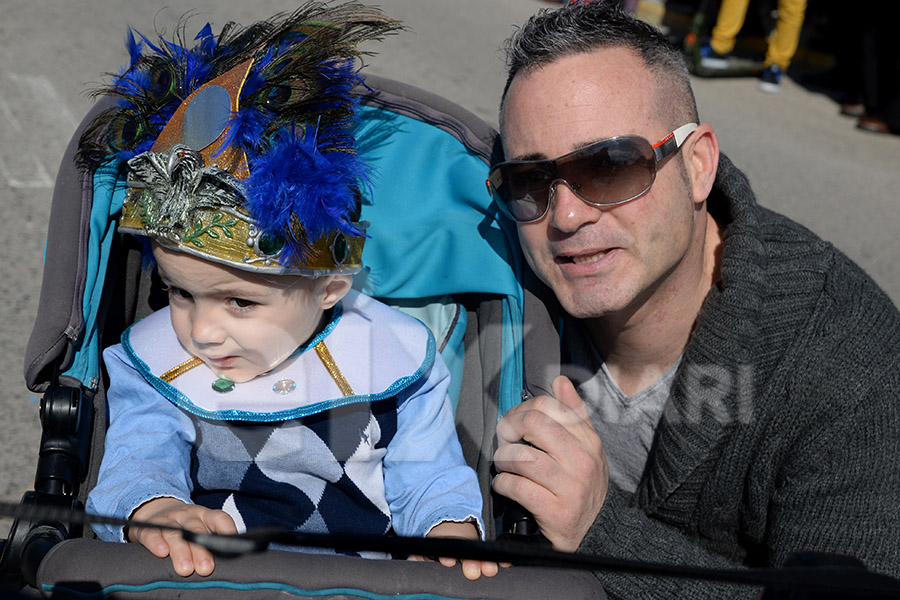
<point>782,431</point>
<point>290,449</point>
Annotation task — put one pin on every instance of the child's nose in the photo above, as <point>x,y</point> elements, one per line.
<point>206,328</point>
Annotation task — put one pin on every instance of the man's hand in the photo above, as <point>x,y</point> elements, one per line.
<point>560,475</point>
<point>186,557</point>
<point>472,569</point>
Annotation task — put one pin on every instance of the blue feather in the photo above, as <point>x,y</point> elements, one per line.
<point>295,179</point>
<point>207,40</point>
<point>134,47</point>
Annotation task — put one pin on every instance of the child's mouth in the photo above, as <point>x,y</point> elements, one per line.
<point>222,362</point>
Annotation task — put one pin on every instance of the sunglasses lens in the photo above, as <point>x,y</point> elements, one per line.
<point>523,189</point>
<point>609,172</point>
<point>612,171</point>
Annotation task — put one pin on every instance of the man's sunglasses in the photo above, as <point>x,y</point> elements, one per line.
<point>606,173</point>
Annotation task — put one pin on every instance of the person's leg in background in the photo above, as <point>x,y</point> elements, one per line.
<point>852,68</point>
<point>732,14</point>
<point>881,70</point>
<point>783,43</point>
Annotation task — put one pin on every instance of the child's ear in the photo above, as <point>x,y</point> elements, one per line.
<point>335,288</point>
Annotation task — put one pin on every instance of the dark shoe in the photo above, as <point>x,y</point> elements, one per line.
<point>873,125</point>
<point>710,59</point>
<point>853,109</point>
<point>770,79</point>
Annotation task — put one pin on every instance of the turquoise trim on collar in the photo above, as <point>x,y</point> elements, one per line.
<point>336,313</point>
<point>176,397</point>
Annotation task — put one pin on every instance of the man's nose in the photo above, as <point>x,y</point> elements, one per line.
<point>206,327</point>
<point>568,212</point>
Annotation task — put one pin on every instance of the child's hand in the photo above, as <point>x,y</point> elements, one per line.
<point>472,569</point>
<point>186,557</point>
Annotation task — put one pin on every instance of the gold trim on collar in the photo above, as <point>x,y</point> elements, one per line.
<point>333,370</point>
<point>321,350</point>
<point>181,369</point>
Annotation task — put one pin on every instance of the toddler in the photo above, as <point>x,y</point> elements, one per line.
<point>268,393</point>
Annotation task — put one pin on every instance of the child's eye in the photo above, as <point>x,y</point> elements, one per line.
<point>241,303</point>
<point>178,293</point>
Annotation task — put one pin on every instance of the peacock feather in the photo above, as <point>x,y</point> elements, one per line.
<point>294,120</point>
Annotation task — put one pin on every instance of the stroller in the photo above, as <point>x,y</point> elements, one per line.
<point>431,158</point>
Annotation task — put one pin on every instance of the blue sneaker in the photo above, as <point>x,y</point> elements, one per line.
<point>710,59</point>
<point>770,79</point>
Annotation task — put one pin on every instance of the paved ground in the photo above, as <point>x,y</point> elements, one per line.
<point>802,158</point>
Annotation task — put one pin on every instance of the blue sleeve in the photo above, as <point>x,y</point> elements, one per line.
<point>426,478</point>
<point>147,449</point>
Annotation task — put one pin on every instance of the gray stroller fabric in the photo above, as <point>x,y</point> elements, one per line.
<point>82,568</point>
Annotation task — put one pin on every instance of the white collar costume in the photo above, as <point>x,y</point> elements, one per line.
<point>372,353</point>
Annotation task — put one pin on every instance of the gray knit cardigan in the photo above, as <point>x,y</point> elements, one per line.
<point>782,431</point>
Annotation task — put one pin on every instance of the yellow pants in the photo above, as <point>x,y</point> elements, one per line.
<point>782,44</point>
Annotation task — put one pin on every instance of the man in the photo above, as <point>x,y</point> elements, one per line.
<point>740,377</point>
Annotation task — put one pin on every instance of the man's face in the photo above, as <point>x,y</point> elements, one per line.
<point>600,261</point>
<point>240,324</point>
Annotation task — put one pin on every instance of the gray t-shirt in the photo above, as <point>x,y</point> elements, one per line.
<point>625,424</point>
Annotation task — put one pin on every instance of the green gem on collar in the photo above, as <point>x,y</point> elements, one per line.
<point>223,385</point>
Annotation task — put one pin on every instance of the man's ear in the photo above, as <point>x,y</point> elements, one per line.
<point>335,288</point>
<point>702,160</point>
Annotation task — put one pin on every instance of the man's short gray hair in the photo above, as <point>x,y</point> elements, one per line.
<point>587,26</point>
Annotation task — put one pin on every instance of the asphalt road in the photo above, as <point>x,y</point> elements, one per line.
<point>802,158</point>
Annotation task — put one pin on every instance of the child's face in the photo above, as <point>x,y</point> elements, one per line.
<point>242,324</point>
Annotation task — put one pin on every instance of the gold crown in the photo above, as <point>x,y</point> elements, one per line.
<point>181,197</point>
<point>227,235</point>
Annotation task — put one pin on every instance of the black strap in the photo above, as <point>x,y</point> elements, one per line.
<point>814,573</point>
